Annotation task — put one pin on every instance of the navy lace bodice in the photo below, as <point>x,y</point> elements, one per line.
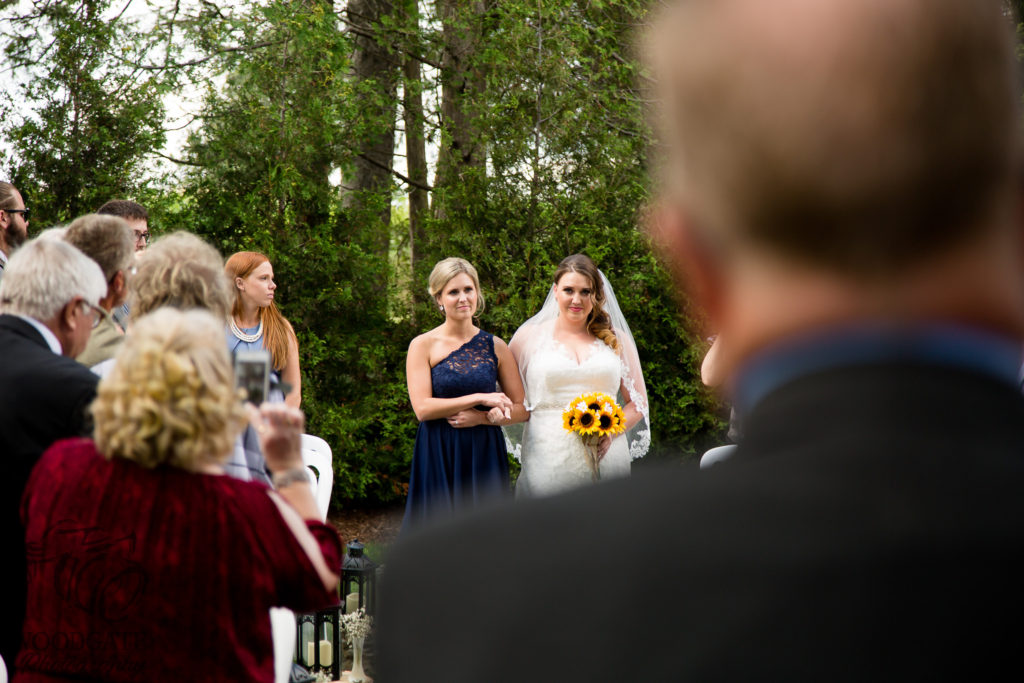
<point>456,469</point>
<point>469,369</point>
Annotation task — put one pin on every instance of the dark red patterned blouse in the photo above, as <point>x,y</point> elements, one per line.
<point>156,575</point>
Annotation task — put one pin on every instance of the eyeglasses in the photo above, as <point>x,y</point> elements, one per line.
<point>24,212</point>
<point>142,236</point>
<point>97,313</point>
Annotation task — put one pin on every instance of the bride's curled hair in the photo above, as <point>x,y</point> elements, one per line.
<point>598,322</point>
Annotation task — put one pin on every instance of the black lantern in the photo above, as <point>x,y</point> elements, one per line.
<point>318,641</point>
<point>358,580</point>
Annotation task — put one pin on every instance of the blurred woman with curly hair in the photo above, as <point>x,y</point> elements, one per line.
<point>146,563</point>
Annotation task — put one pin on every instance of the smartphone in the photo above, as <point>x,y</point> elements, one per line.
<point>252,373</point>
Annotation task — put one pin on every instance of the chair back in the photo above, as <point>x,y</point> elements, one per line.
<point>282,630</point>
<point>317,456</point>
<point>716,454</point>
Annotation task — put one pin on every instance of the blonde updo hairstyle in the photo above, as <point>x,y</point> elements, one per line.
<point>170,398</point>
<point>598,322</point>
<point>445,270</point>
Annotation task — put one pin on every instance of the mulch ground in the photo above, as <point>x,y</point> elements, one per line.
<point>368,525</point>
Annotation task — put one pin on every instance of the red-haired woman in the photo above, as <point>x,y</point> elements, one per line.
<point>256,323</point>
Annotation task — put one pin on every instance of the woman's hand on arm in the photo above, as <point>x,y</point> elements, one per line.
<point>511,383</point>
<point>470,417</point>
<point>424,404</point>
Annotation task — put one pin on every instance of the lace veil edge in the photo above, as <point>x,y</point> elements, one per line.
<point>536,330</point>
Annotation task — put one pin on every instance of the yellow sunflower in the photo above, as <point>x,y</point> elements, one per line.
<point>606,420</point>
<point>594,413</point>
<point>586,422</point>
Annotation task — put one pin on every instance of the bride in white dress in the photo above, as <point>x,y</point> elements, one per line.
<point>578,343</point>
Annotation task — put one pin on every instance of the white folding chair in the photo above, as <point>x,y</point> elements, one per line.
<point>716,454</point>
<point>282,630</point>
<point>316,453</point>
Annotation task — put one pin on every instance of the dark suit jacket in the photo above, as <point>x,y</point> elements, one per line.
<point>869,527</point>
<point>43,397</point>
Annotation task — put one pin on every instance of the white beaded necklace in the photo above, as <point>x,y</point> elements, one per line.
<point>248,338</point>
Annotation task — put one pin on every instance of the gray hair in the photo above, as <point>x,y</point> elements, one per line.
<point>56,232</point>
<point>183,271</point>
<point>44,275</point>
<point>107,240</point>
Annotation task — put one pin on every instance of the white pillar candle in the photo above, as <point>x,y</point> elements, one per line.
<point>351,603</point>
<point>325,653</point>
<point>310,653</point>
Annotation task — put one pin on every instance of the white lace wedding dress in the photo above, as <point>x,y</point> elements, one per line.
<point>553,459</point>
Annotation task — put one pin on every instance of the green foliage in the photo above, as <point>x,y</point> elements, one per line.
<point>260,181</point>
<point>551,160</point>
<point>95,117</point>
<point>564,127</point>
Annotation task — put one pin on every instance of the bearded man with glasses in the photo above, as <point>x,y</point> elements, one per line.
<point>48,309</point>
<point>13,222</point>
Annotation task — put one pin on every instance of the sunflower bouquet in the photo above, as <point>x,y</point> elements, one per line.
<point>592,416</point>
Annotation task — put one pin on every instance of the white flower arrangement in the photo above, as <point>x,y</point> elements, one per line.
<point>357,624</point>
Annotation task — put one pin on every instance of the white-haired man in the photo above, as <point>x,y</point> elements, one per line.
<point>48,307</point>
<point>841,191</point>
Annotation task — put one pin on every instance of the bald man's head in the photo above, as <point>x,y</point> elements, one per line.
<point>858,135</point>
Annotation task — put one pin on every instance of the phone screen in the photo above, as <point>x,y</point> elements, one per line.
<point>252,373</point>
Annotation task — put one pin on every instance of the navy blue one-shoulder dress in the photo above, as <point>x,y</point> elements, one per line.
<point>457,469</point>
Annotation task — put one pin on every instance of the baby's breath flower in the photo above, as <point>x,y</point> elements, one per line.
<point>357,624</point>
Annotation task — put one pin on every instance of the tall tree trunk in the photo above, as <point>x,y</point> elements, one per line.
<point>375,68</point>
<point>461,149</point>
<point>415,141</point>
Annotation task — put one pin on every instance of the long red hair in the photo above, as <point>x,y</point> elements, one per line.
<point>277,331</point>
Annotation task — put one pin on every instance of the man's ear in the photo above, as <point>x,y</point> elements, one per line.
<point>67,319</point>
<point>697,269</point>
<point>119,285</point>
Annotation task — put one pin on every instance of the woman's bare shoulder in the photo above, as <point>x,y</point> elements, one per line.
<point>423,342</point>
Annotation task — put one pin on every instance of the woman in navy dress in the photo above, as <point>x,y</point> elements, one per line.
<point>460,459</point>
